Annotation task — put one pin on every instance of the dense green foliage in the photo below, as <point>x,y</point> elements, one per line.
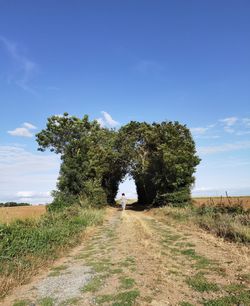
<point>26,245</point>
<point>13,204</point>
<point>160,157</point>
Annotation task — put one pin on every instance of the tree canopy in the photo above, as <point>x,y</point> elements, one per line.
<point>161,157</point>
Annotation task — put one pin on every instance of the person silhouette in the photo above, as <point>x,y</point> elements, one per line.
<point>123,201</point>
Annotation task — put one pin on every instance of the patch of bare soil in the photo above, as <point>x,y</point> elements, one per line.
<point>135,259</point>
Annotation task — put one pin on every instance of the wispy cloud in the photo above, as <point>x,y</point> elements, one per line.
<point>228,124</point>
<point>232,125</point>
<point>199,130</point>
<point>224,147</point>
<point>23,131</point>
<point>31,196</point>
<point>107,120</point>
<point>26,175</point>
<point>25,68</point>
<point>246,122</point>
<point>230,121</point>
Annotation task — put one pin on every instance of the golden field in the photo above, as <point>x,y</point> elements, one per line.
<point>229,201</point>
<point>9,214</point>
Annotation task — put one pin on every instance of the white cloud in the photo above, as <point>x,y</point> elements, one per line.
<point>23,131</point>
<point>101,122</point>
<point>32,194</point>
<point>25,69</point>
<point>29,126</point>
<point>224,147</point>
<point>199,130</point>
<point>27,175</point>
<point>232,125</point>
<point>107,120</point>
<point>230,121</point>
<point>246,122</point>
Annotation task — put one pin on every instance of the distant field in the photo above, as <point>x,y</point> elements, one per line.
<point>244,200</point>
<point>9,214</point>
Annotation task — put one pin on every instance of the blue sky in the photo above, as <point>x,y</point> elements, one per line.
<point>132,60</point>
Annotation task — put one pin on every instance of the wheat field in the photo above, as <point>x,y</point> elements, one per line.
<point>229,201</point>
<point>10,214</point>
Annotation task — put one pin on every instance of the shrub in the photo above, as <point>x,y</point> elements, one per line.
<point>27,244</point>
<point>177,198</point>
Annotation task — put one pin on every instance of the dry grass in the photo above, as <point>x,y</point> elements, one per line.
<point>229,201</point>
<point>10,214</point>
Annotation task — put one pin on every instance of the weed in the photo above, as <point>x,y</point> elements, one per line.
<point>54,273</point>
<point>242,298</point>
<point>116,271</point>
<point>57,270</point>
<point>99,266</point>
<point>233,288</point>
<point>128,261</point>
<point>26,245</point>
<point>189,252</point>
<point>21,303</point>
<point>201,261</point>
<point>185,304</point>
<point>199,283</point>
<point>72,301</point>
<point>126,282</point>
<point>93,285</point>
<point>228,221</point>
<point>47,301</point>
<point>123,298</point>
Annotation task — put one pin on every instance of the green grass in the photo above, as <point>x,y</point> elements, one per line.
<point>28,244</point>
<point>234,288</point>
<point>128,261</point>
<point>199,283</point>
<point>201,262</point>
<point>185,304</point>
<point>100,266</point>
<point>47,301</point>
<point>242,298</point>
<point>57,270</point>
<point>72,301</point>
<point>116,271</point>
<point>54,273</point>
<point>94,284</point>
<point>126,282</point>
<point>21,303</point>
<point>123,298</point>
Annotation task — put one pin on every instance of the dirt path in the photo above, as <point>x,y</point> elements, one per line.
<point>135,259</point>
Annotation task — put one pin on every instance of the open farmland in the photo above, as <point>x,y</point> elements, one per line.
<point>228,201</point>
<point>10,214</point>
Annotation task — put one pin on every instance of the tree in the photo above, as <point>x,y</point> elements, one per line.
<point>92,164</point>
<point>162,160</point>
<point>161,157</point>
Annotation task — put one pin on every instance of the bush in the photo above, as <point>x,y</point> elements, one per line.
<point>13,204</point>
<point>231,223</point>
<point>221,208</point>
<point>26,245</point>
<point>178,198</point>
